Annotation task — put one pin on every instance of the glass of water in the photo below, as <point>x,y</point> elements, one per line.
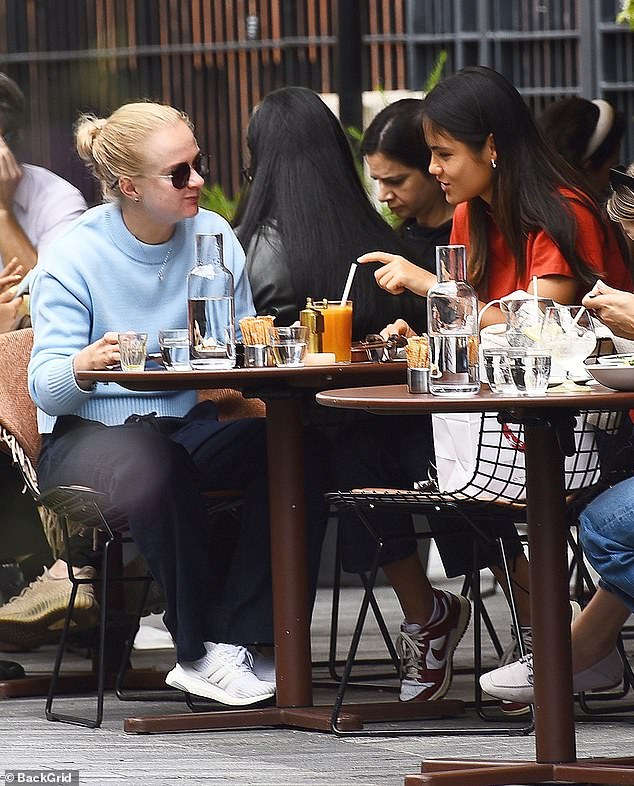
<point>174,346</point>
<point>288,345</point>
<point>498,371</point>
<point>530,370</point>
<point>133,349</point>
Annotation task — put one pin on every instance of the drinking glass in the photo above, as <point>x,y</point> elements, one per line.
<point>174,346</point>
<point>133,349</point>
<point>337,335</point>
<point>498,371</point>
<point>288,345</point>
<point>530,370</point>
<point>568,332</point>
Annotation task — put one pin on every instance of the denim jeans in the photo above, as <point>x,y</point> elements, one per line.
<point>607,537</point>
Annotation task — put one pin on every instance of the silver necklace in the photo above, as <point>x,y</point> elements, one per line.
<point>166,258</point>
<point>165,261</point>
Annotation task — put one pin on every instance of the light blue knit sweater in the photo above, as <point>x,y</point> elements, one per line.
<point>97,277</point>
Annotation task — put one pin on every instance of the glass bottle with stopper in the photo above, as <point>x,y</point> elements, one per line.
<point>211,306</point>
<point>452,321</point>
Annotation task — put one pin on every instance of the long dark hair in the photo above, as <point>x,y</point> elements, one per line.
<point>304,182</point>
<point>397,132</point>
<point>568,125</point>
<point>478,101</point>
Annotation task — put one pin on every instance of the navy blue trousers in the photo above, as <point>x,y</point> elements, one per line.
<point>154,470</point>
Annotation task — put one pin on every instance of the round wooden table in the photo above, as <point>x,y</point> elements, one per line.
<point>547,426</point>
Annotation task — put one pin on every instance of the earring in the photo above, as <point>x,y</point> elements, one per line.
<point>137,199</point>
<point>493,163</point>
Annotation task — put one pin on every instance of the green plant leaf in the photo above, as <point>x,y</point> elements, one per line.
<point>214,198</point>
<point>436,72</point>
<point>626,14</point>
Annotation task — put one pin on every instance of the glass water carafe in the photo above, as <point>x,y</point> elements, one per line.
<point>452,320</point>
<point>211,307</point>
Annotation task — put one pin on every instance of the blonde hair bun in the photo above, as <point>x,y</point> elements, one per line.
<point>87,129</point>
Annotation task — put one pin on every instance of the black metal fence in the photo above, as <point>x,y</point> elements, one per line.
<point>217,58</point>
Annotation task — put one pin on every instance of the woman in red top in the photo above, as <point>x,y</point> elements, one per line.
<point>521,210</point>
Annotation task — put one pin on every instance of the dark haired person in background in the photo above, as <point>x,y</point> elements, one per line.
<point>397,158</point>
<point>588,134</point>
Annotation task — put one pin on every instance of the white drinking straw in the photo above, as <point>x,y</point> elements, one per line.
<point>535,296</point>
<point>348,286</point>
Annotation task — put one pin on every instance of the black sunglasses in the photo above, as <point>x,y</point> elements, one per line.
<point>618,178</point>
<point>182,172</point>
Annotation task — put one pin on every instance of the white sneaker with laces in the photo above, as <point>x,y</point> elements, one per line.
<point>225,674</point>
<point>515,681</point>
<point>512,653</point>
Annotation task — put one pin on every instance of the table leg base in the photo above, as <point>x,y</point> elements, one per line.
<point>456,772</point>
<point>308,718</point>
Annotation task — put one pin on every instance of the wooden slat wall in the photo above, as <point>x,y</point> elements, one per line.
<point>92,55</point>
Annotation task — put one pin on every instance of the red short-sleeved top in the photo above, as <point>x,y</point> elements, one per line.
<point>543,257</point>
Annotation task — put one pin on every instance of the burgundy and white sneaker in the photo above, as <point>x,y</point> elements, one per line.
<point>427,653</point>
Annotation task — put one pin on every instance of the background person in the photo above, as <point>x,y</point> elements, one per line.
<point>588,134</point>
<point>397,159</point>
<point>124,266</point>
<point>35,205</point>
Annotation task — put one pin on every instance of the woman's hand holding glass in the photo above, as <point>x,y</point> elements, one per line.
<point>568,332</point>
<point>97,356</point>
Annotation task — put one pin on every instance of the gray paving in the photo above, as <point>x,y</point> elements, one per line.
<point>268,756</point>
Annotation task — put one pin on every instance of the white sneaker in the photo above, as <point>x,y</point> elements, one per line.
<point>152,634</point>
<point>225,676</point>
<point>515,681</point>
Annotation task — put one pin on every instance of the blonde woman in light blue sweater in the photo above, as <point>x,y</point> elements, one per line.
<point>123,266</point>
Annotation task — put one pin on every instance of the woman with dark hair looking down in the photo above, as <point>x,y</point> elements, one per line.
<point>397,158</point>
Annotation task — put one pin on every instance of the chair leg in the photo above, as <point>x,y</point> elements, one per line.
<point>479,702</point>
<point>100,665</point>
<point>334,616</point>
<point>354,644</point>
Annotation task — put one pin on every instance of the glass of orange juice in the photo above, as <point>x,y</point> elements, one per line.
<point>337,335</point>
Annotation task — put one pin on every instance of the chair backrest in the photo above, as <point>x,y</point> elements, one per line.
<point>18,417</point>
<point>498,471</point>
